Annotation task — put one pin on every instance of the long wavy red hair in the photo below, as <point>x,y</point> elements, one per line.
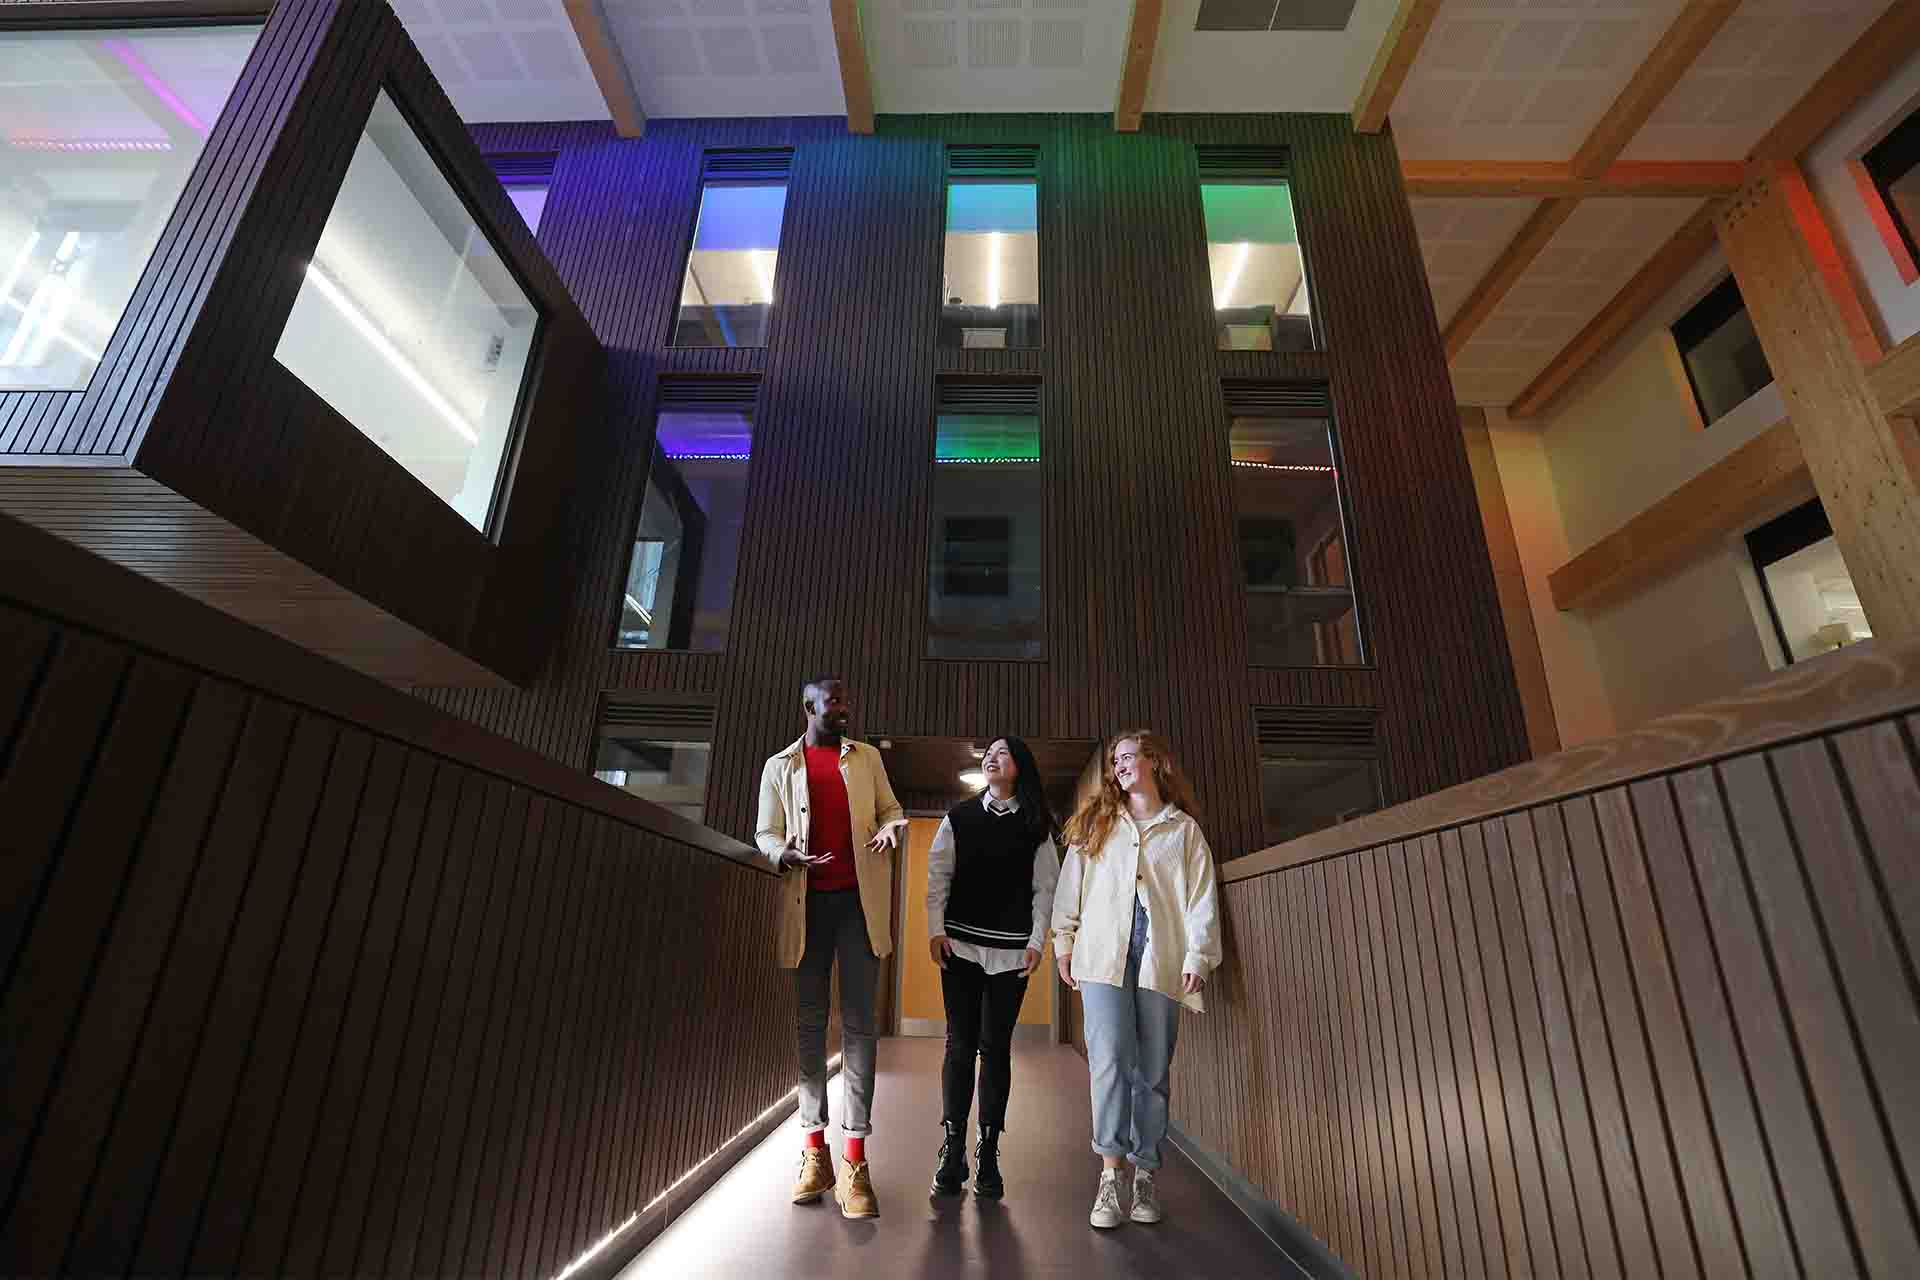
<point>1093,822</point>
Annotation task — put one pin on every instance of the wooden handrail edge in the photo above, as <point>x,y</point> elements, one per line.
<point>1867,682</point>
<point>50,576</point>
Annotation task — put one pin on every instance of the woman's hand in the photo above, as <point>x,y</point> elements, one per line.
<point>1066,971</point>
<point>1191,983</point>
<point>1033,962</point>
<point>939,948</point>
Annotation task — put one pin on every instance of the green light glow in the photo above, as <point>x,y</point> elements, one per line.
<point>1253,212</point>
<point>980,437</point>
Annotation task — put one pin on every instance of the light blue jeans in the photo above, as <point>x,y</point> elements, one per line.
<point>1130,1037</point>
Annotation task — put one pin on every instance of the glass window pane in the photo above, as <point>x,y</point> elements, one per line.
<point>409,322</point>
<point>1728,366</point>
<point>1259,278</point>
<point>679,590</point>
<point>102,128</point>
<point>531,202</point>
<point>991,289</point>
<point>1301,795</point>
<point>983,581</point>
<point>1813,597</point>
<point>671,774</point>
<point>1293,549</point>
<point>726,299</point>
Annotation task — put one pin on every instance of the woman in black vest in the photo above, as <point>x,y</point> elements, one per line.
<point>990,878</point>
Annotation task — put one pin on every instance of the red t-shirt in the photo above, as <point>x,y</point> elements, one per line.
<point>831,830</point>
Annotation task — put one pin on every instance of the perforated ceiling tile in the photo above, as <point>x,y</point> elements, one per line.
<point>524,10</point>
<point>782,8</point>
<point>791,49</point>
<point>1461,46</point>
<point>548,54</point>
<point>995,42</point>
<point>932,43</point>
<point>455,12</point>
<point>1058,42</point>
<point>489,55</point>
<point>1531,45</point>
<point>649,10</point>
<point>1597,46</point>
<point>731,51</point>
<point>1496,102</point>
<point>928,6</point>
<point>993,4</point>
<point>717,8</point>
<point>664,51</point>
<point>441,60</point>
<point>1565,102</point>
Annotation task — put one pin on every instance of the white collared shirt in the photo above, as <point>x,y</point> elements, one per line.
<point>1163,863</point>
<point>940,864</point>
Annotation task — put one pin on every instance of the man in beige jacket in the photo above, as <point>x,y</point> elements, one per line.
<point>830,824</point>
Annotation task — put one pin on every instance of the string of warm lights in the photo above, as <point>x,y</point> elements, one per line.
<point>1282,466</point>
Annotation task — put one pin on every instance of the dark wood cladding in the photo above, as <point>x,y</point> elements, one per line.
<point>302,977</point>
<point>1665,1025</point>
<point>189,393</point>
<point>1144,621</point>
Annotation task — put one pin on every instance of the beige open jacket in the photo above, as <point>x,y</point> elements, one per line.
<point>783,813</point>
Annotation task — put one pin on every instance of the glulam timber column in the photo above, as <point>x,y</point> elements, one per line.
<point>1819,343</point>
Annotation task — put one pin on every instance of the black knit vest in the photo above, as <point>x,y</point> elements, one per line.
<point>991,902</point>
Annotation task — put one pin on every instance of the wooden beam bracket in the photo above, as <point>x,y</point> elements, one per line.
<point>1136,69</point>
<point>856,78</point>
<point>609,66</point>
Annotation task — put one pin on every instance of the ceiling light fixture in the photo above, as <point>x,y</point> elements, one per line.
<point>763,260</point>
<point>390,353</point>
<point>1225,297</point>
<point>993,270</point>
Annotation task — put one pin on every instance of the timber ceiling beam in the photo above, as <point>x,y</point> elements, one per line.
<point>610,71</point>
<point>1506,271</point>
<point>1884,46</point>
<point>1647,287</point>
<point>1546,179</point>
<point>1136,69</point>
<point>856,78</point>
<point>1405,34</point>
<point>1689,34</point>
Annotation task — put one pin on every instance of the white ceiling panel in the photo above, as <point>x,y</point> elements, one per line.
<point>504,60</point>
<point>995,55</point>
<point>1231,71</point>
<point>1460,238</point>
<point>1511,80</point>
<point>1766,57</point>
<point>708,58</point>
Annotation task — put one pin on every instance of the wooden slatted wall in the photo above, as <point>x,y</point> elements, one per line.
<point>832,566</point>
<point>1664,1026</point>
<point>302,977</point>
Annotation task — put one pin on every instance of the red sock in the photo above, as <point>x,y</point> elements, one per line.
<point>856,1148</point>
<point>814,1141</point>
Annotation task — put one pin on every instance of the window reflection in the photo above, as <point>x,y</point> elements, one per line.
<point>726,299</point>
<point>983,582</point>
<point>1724,361</point>
<point>672,774</point>
<point>991,285</point>
<point>1292,544</point>
<point>1259,278</point>
<point>679,585</point>
<point>101,130</point>
<point>1301,795</point>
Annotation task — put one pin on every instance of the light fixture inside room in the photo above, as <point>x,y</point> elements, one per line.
<point>993,270</point>
<point>763,260</point>
<point>973,778</point>
<point>390,353</point>
<point>1225,298</point>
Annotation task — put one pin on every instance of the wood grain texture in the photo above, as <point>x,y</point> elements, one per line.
<point>610,71</point>
<point>856,78</point>
<point>844,428</point>
<point>1661,1027</point>
<point>259,497</point>
<point>292,988</point>
<point>1398,48</point>
<point>1693,29</point>
<point>1507,270</point>
<point>1136,67</point>
<point>1864,67</point>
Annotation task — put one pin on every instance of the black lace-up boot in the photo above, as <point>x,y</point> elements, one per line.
<point>950,1179</point>
<point>986,1153</point>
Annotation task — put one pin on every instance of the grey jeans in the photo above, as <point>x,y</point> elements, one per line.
<point>1130,1037</point>
<point>836,928</point>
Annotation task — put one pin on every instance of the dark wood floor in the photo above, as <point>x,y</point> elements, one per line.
<point>745,1226</point>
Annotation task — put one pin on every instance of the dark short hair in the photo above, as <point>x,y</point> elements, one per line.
<point>817,682</point>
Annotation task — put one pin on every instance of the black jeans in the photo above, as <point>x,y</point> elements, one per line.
<point>982,1009</point>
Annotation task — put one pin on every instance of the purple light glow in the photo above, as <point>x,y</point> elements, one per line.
<point>705,435</point>
<point>95,144</point>
<point>123,51</point>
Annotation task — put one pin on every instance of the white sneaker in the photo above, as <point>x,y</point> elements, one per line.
<point>1106,1201</point>
<point>1146,1198</point>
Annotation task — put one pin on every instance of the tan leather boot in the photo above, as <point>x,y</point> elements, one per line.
<point>855,1192</point>
<point>816,1175</point>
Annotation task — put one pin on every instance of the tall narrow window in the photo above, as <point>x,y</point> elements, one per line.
<point>1260,298</point>
<point>1294,560</point>
<point>410,323</point>
<point>726,299</point>
<point>984,566</point>
<point>1319,766</point>
<point>991,287</point>
<point>1721,352</point>
<point>657,748</point>
<point>101,129</point>
<point>526,175</point>
<point>1808,589</point>
<point>679,587</point>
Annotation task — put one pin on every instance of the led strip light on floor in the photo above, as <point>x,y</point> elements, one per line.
<point>601,1244</point>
